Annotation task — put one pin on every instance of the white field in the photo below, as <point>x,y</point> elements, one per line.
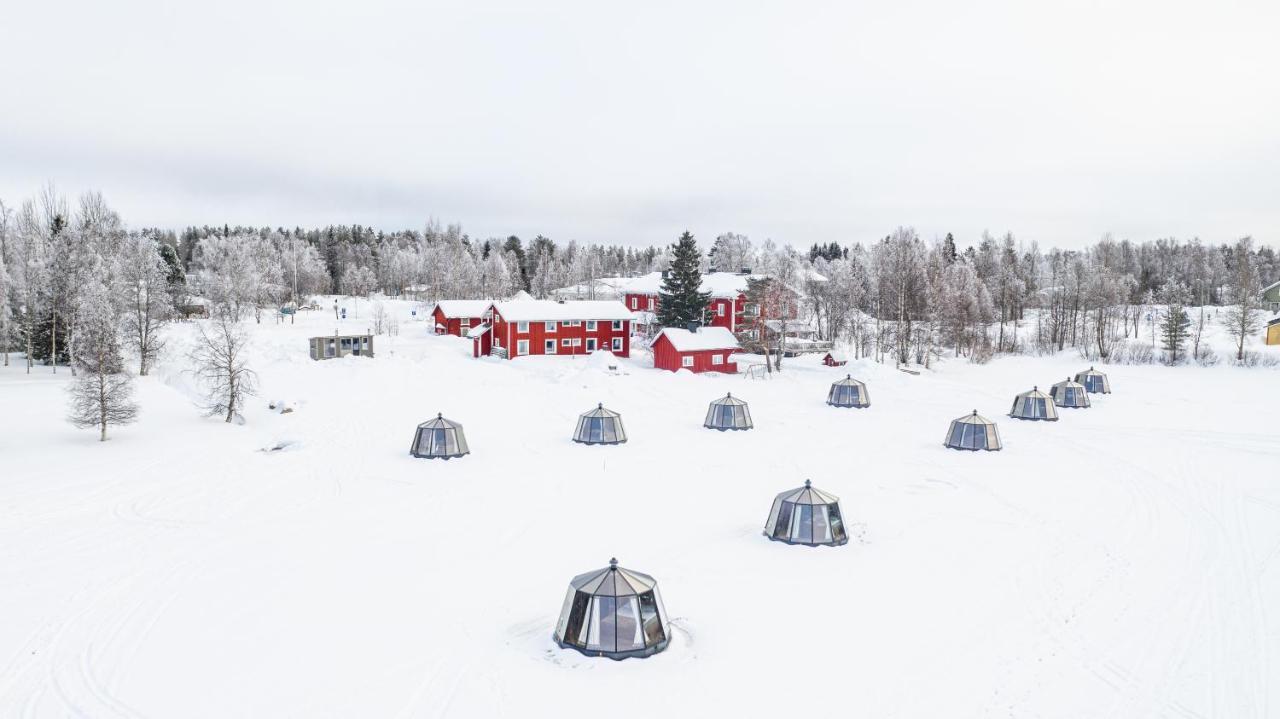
<point>1123,562</point>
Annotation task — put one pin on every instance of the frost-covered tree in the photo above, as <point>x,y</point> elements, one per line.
<point>221,365</point>
<point>1174,322</point>
<point>145,294</point>
<point>101,393</point>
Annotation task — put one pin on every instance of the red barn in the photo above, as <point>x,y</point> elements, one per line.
<point>455,317</point>
<point>835,359</point>
<point>699,349</point>
<point>543,327</point>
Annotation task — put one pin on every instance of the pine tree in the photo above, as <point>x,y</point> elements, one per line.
<point>101,393</point>
<point>680,300</point>
<point>1173,332</point>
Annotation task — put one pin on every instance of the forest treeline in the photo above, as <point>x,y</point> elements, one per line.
<point>899,296</point>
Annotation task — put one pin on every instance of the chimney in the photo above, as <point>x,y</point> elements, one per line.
<point>693,327</point>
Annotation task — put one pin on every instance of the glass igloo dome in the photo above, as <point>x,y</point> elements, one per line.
<point>728,413</point>
<point>806,515</point>
<point>439,439</point>
<point>1094,381</point>
<point>848,392</point>
<point>1034,405</point>
<point>615,613</point>
<point>973,432</point>
<point>600,426</point>
<point>1070,394</point>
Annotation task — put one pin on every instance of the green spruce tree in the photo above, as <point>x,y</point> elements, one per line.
<point>680,300</point>
<point>1173,332</point>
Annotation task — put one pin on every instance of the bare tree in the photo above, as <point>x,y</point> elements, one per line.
<point>101,393</point>
<point>1246,295</point>
<point>221,366</point>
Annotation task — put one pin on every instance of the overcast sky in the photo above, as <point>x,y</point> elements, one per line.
<point>629,122</point>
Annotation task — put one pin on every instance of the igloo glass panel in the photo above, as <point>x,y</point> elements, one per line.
<point>957,434</point>
<point>802,523</point>
<point>783,526</point>
<point>629,625</point>
<point>578,626</point>
<point>821,527</point>
<point>424,441</point>
<point>836,521</point>
<point>606,618</point>
<point>1041,409</point>
<point>565,608</point>
<point>652,625</point>
<point>595,429</point>
<point>978,437</point>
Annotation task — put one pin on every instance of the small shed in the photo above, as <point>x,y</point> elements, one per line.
<point>806,515</point>
<point>728,413</point>
<point>1273,332</point>
<point>973,432</point>
<point>1034,405</point>
<point>848,392</point>
<point>697,349</point>
<point>1070,394</point>
<point>323,348</point>
<point>439,438</point>
<point>600,426</point>
<point>1094,382</point>
<point>615,613</point>
<point>835,359</point>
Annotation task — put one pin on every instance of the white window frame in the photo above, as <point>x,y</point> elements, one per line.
<point>635,303</point>
<point>591,325</point>
<point>566,342</point>
<point>574,323</point>
<point>522,327</point>
<point>617,325</point>
<point>548,347</point>
<point>652,302</point>
<point>686,361</point>
<point>550,326</point>
<point>591,344</point>
<point>617,344</point>
<point>717,359</point>
<point>522,347</point>
<point>577,341</point>
<point>719,309</point>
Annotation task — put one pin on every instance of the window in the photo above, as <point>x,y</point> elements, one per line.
<point>652,302</point>
<point>686,361</point>
<point>549,347</point>
<point>617,344</point>
<point>591,344</point>
<point>522,347</point>
<point>717,359</point>
<point>591,325</point>
<point>635,303</point>
<point>522,327</point>
<point>566,342</point>
<point>617,324</point>
<point>577,341</point>
<point>719,309</point>
<point>551,326</point>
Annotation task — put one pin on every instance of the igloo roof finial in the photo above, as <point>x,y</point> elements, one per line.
<point>599,405</point>
<point>613,564</point>
<point>807,484</point>
<point>439,415</point>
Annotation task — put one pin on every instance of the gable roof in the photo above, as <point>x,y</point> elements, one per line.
<point>548,310</point>
<point>706,338</point>
<point>1270,287</point>
<point>463,308</point>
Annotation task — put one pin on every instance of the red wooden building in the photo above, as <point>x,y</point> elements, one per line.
<point>835,359</point>
<point>455,317</point>
<point>701,349</point>
<point>543,327</point>
<point>727,305</point>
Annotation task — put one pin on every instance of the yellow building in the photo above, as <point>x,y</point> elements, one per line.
<point>1273,332</point>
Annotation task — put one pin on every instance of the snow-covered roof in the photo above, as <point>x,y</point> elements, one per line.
<point>719,284</point>
<point>548,310</point>
<point>706,338</point>
<point>521,296</point>
<point>603,288</point>
<point>1270,287</point>
<point>463,308</point>
<point>477,331</point>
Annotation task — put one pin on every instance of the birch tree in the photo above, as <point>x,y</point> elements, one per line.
<point>101,393</point>
<point>144,280</point>
<point>221,365</point>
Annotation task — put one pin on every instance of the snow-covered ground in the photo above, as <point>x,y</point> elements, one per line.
<point>1123,562</point>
